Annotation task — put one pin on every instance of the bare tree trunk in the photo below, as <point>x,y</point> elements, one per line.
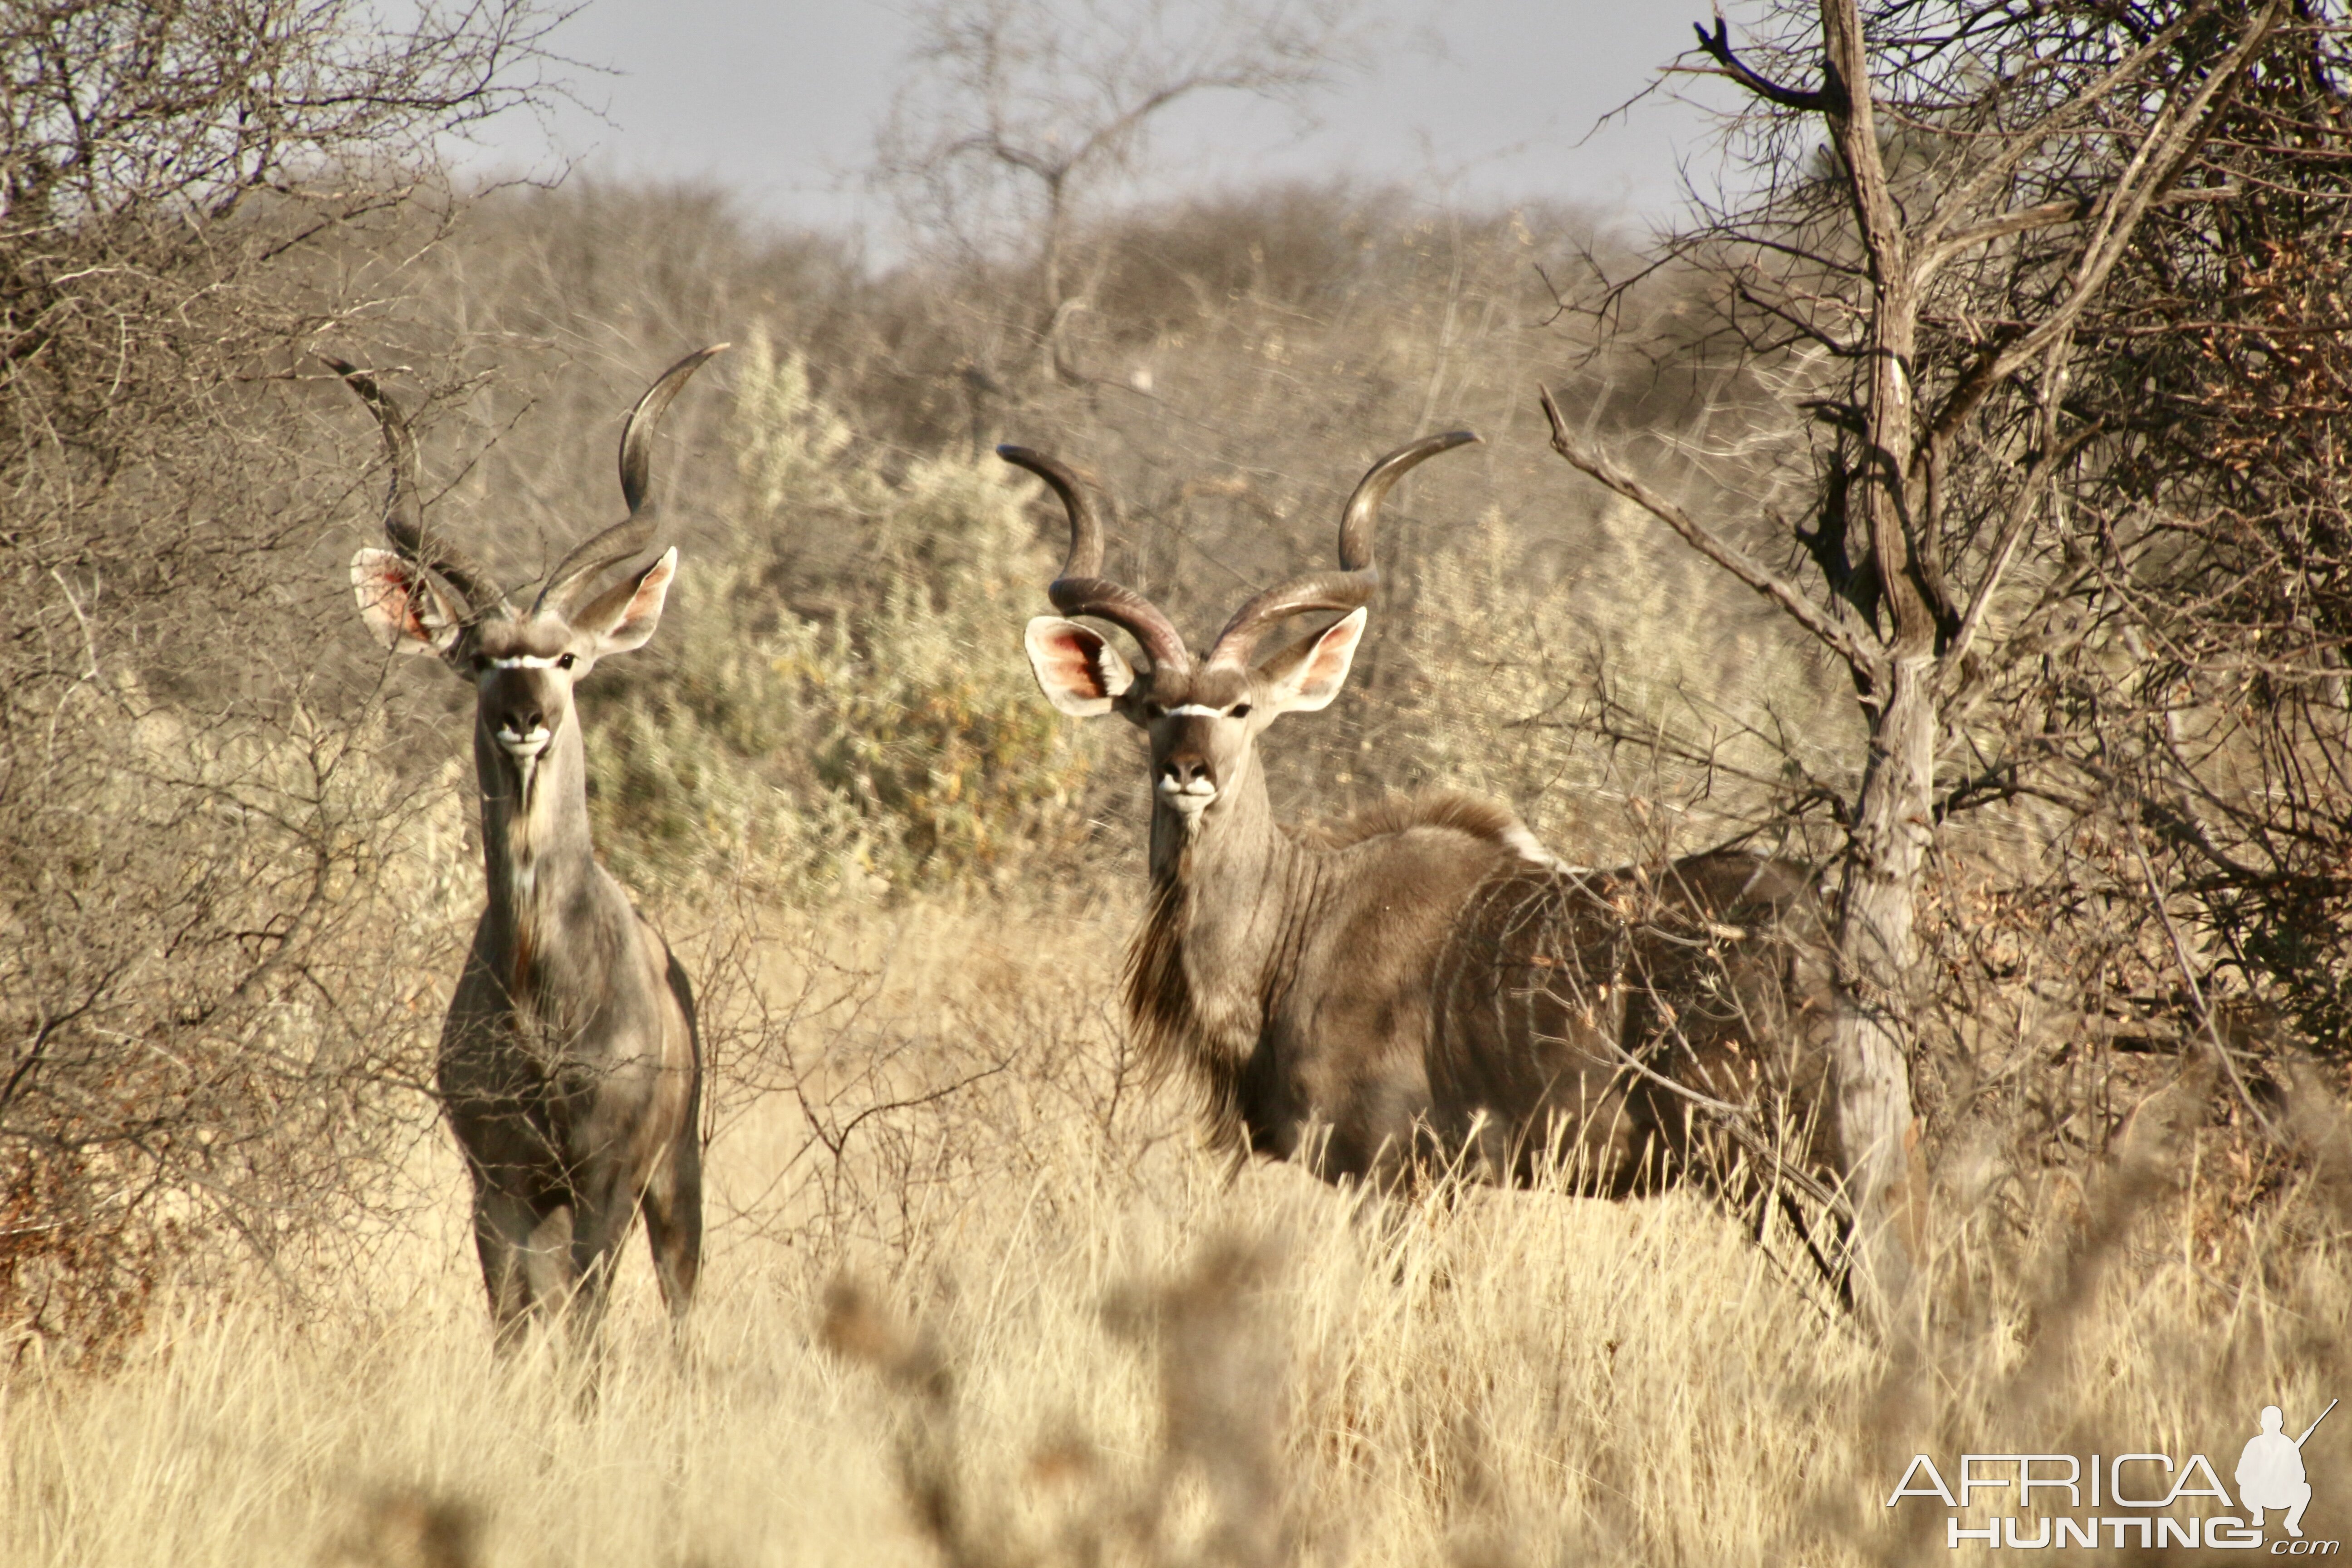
<point>1886,856</point>
<point>1051,329</point>
<point>1877,958</point>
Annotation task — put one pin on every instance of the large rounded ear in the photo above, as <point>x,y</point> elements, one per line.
<point>1306,676</point>
<point>403,605</point>
<point>1079,671</point>
<point>624,617</point>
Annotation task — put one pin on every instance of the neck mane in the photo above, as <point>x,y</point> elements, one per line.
<point>1224,897</point>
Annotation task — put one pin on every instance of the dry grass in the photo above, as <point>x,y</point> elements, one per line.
<point>1071,1338</point>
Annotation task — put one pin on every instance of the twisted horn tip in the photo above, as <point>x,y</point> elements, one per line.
<point>360,381</point>
<point>1066,480</point>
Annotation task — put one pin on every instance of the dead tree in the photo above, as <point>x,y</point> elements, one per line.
<point>1916,293</point>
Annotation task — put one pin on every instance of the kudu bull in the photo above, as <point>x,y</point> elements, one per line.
<point>571,1068</point>
<point>1424,986</point>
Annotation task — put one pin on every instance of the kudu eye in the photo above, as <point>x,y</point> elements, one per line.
<point>564,662</point>
<point>1238,711</point>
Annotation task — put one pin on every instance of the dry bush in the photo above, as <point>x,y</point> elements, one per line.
<point>2158,894</point>
<point>888,742</point>
<point>1224,475</point>
<point>1172,268</point>
<point>206,986</point>
<point>1392,319</point>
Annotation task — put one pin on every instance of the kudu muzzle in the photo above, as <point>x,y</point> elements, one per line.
<point>521,709</point>
<point>1186,774</point>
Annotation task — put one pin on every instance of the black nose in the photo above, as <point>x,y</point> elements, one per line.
<point>1185,770</point>
<point>524,720</point>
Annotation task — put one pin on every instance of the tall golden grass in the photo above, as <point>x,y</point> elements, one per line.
<point>1017,1317</point>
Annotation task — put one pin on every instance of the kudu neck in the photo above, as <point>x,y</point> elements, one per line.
<point>1235,888</point>
<point>535,843</point>
<point>1238,835</point>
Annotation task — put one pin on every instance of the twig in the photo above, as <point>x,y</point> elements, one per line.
<point>2197,991</point>
<point>1841,641</point>
<point>1827,98</point>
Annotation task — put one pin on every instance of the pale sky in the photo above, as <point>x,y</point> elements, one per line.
<point>1473,100</point>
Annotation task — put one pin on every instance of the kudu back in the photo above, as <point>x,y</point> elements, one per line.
<point>1424,987</point>
<point>570,1065</point>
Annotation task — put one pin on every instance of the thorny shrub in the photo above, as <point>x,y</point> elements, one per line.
<point>193,1033</point>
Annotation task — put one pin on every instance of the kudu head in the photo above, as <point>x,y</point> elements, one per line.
<point>1203,717</point>
<point>425,595</point>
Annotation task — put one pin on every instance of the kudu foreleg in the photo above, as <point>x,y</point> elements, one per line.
<point>503,1224</point>
<point>601,1218</point>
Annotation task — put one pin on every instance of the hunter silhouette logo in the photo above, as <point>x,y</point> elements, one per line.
<point>2270,1472</point>
<point>2150,1500</point>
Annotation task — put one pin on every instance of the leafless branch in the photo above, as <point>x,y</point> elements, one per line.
<point>1845,643</point>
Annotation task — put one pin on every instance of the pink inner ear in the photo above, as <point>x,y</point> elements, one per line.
<point>624,624</point>
<point>651,592</point>
<point>1075,664</point>
<point>401,600</point>
<point>395,600</point>
<point>1330,663</point>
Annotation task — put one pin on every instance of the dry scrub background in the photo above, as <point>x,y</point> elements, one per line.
<point>973,1293</point>
<point>903,887</point>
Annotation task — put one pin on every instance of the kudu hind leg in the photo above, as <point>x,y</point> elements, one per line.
<point>673,1222</point>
